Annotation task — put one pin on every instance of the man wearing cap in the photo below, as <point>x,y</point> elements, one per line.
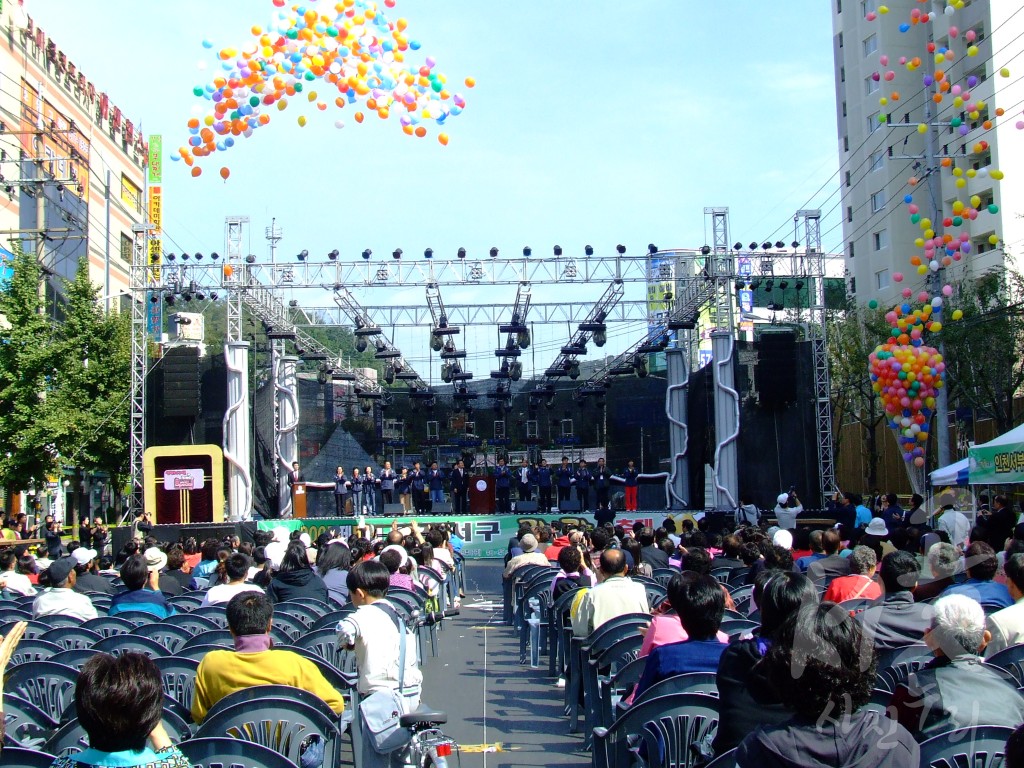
<point>787,509</point>
<point>530,556</point>
<point>60,597</point>
<point>87,580</point>
<point>156,562</point>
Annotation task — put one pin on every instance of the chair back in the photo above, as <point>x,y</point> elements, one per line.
<point>48,685</point>
<point>272,693</point>
<point>197,652</point>
<point>691,682</point>
<point>892,676</point>
<point>121,644</point>
<point>170,636</point>
<point>107,626</point>
<point>215,613</point>
<point>16,757</point>
<point>666,726</point>
<point>178,678</point>
<point>324,643</point>
<point>982,746</point>
<point>340,679</point>
<point>33,628</point>
<point>186,602</point>
<point>138,617</point>
<point>196,625</point>
<point>10,613</point>
<point>734,627</point>
<point>25,724</point>
<point>60,620</point>
<point>1010,660</point>
<point>69,638</point>
<point>288,623</point>
<point>231,753</point>
<point>221,637</point>
<point>330,620</point>
<point>71,737</point>
<point>305,612</point>
<point>73,658</point>
<point>279,724</point>
<point>34,650</point>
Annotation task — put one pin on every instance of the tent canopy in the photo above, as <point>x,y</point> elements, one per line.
<point>999,461</point>
<point>954,474</point>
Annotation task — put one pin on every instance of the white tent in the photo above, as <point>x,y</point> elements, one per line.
<point>954,474</point>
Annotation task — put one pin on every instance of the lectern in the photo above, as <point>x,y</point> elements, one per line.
<point>298,499</point>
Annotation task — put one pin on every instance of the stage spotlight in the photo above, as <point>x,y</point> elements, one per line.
<point>737,246</point>
<point>753,246</point>
<point>784,284</point>
<point>293,303</point>
<point>367,254</point>
<point>198,256</point>
<point>213,296</point>
<point>766,245</point>
<point>333,255</point>
<point>397,253</point>
<point>186,296</point>
<point>769,286</point>
<point>640,368</point>
<point>600,338</point>
<point>389,374</point>
<point>652,248</point>
<point>795,244</point>
<point>799,285</point>
<point>523,339</point>
<point>154,298</point>
<point>201,296</point>
<point>214,255</point>
<point>462,253</point>
<point>429,253</point>
<point>250,259</point>
<point>705,250</point>
<point>435,343</point>
<point>755,285</point>
<point>303,254</point>
<point>170,257</point>
<point>621,249</point>
<point>739,285</point>
<point>588,250</point>
<point>527,250</point>
<point>558,250</point>
<point>184,257</point>
<point>361,344</point>
<point>515,371</point>
<point>779,244</point>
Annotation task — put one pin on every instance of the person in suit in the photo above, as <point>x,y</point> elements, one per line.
<point>523,480</point>
<point>370,491</point>
<point>563,478</point>
<point>341,490</point>
<point>583,480</point>
<point>418,488</point>
<point>543,481</point>
<point>458,484</point>
<point>295,476</point>
<point>602,484</point>
<point>435,478</point>
<point>387,483</point>
<point>502,486</point>
<point>357,492</point>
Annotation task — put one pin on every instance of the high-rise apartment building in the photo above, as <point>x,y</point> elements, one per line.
<point>71,162</point>
<point>879,157</point>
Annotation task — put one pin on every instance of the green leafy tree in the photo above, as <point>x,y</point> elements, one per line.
<point>28,451</point>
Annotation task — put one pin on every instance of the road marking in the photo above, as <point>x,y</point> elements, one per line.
<point>475,748</point>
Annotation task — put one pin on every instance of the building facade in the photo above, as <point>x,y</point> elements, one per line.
<point>878,158</point>
<point>72,164</point>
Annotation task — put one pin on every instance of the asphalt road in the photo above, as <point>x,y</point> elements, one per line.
<point>490,698</point>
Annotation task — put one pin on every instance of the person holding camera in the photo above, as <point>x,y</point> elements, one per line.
<point>51,534</point>
<point>787,509</point>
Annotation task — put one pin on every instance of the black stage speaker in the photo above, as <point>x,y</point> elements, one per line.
<point>526,507</point>
<point>394,510</point>
<point>569,505</point>
<point>441,508</point>
<point>175,532</point>
<point>181,382</point>
<point>776,368</point>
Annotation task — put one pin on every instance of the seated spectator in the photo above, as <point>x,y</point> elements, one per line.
<point>956,689</point>
<point>156,561</point>
<point>175,570</point>
<point>237,571</point>
<point>253,662</point>
<point>193,556</point>
<point>529,556</point>
<point>573,572</point>
<point>698,601</point>
<point>731,554</point>
<point>614,595</point>
<point>10,579</point>
<point>29,568</point>
<point>1015,749</point>
<point>119,701</point>
<point>143,590</point>
<point>832,565</point>
<point>816,665</point>
<point>747,697</point>
<point>333,562</point>
<point>635,555</point>
<point>295,577</point>
<point>896,620</point>
<point>208,562</point>
<point>814,541</point>
<point>1007,625</point>
<point>86,577</point>
<point>860,584</point>
<point>60,597</point>
<point>395,559</point>
<point>652,553</point>
<point>876,536</point>
<point>981,563</point>
<point>438,539</point>
<point>943,564</point>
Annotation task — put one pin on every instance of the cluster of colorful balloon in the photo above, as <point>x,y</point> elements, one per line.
<point>354,54</point>
<point>906,379</point>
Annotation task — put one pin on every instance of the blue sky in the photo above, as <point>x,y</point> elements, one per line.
<point>592,122</point>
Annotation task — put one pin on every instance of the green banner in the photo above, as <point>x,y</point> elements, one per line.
<point>156,159</point>
<point>997,465</point>
<point>483,536</point>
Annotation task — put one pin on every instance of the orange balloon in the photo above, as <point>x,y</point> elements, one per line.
<point>470,82</point>
<point>224,173</point>
<point>359,117</point>
<point>196,172</point>
<point>421,131</point>
<point>443,138</point>
<point>228,270</point>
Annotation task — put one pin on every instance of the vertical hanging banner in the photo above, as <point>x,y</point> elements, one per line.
<point>154,210</point>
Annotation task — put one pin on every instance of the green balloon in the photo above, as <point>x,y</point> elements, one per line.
<point>198,90</point>
<point>993,208</point>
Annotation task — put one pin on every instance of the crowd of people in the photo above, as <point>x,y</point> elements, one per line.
<point>834,607</point>
<point>365,491</point>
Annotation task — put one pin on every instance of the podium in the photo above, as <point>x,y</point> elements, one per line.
<point>298,500</point>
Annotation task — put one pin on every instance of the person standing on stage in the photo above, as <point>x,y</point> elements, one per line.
<point>502,486</point>
<point>341,491</point>
<point>418,488</point>
<point>459,487</point>
<point>524,476</point>
<point>435,479</point>
<point>602,483</point>
<point>387,483</point>
<point>370,491</point>
<point>630,476</point>
<point>403,484</point>
<point>543,480</point>
<point>584,477</point>
<point>564,477</point>
<point>357,492</point>
<point>295,476</point>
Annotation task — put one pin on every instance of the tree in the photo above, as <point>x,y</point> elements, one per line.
<point>27,448</point>
<point>984,351</point>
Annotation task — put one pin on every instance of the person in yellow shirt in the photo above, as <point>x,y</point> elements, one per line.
<point>253,662</point>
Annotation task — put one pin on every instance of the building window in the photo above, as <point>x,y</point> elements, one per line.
<point>877,202</point>
<point>870,85</point>
<point>877,160</point>
<point>846,143</point>
<point>844,109</point>
<point>131,194</point>
<point>870,44</point>
<point>847,178</point>
<point>842,74</point>
<point>882,279</point>
<point>839,6</point>
<point>873,122</point>
<point>849,213</point>
<point>126,248</point>
<point>880,239</point>
<point>849,249</point>
<point>868,6</point>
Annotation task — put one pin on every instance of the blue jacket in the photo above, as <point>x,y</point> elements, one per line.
<point>436,480</point>
<point>679,659</point>
<point>542,476</point>
<point>602,478</point>
<point>341,485</point>
<point>402,484</point>
<point>387,479</point>
<point>631,477</point>
<point>141,600</point>
<point>583,479</point>
<point>502,477</point>
<point>564,475</point>
<point>419,477</point>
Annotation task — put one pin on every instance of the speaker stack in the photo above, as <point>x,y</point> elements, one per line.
<point>776,368</point>
<point>181,382</point>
